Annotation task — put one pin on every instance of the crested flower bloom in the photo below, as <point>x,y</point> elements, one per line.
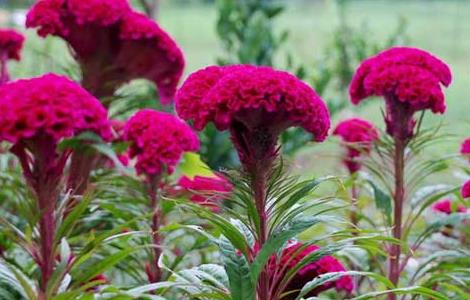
<point>207,191</point>
<point>465,147</point>
<point>409,79</point>
<point>36,115</point>
<point>447,207</point>
<point>11,43</point>
<point>293,255</point>
<point>358,136</point>
<point>255,103</point>
<point>465,191</point>
<point>50,106</point>
<point>112,43</point>
<point>158,141</point>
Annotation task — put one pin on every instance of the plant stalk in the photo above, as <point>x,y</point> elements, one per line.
<point>259,185</point>
<point>399,197</point>
<point>156,273</point>
<point>4,75</point>
<point>47,230</point>
<point>354,195</point>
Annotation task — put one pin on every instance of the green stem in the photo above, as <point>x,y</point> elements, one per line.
<point>156,275</point>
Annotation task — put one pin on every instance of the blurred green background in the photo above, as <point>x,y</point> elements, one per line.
<point>439,26</point>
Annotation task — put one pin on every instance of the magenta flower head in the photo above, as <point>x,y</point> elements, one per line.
<point>465,190</point>
<point>112,43</point>
<point>38,113</point>
<point>207,191</point>
<point>409,79</point>
<point>465,147</point>
<point>11,43</point>
<point>51,107</point>
<point>255,103</point>
<point>447,207</point>
<point>293,255</point>
<point>358,136</point>
<point>158,141</point>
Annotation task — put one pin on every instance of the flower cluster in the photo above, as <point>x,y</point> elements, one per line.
<point>112,43</point>
<point>465,147</point>
<point>465,191</point>
<point>207,191</point>
<point>294,254</point>
<point>50,105</point>
<point>158,141</point>
<point>255,103</point>
<point>358,136</point>
<point>224,95</point>
<point>11,43</point>
<point>410,79</point>
<point>447,207</point>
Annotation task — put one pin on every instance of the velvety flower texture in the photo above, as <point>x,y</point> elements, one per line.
<point>36,114</point>
<point>446,206</point>
<point>465,191</point>
<point>255,103</point>
<point>207,191</point>
<point>358,136</point>
<point>11,43</point>
<point>158,141</point>
<point>465,147</point>
<point>409,79</point>
<point>112,43</point>
<point>52,106</point>
<point>293,254</point>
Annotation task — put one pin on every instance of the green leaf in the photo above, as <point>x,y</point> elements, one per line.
<point>278,239</point>
<point>191,165</point>
<point>109,152</point>
<point>238,270</point>
<point>382,200</point>
<point>81,276</point>
<point>452,219</point>
<point>79,140</point>
<point>141,290</point>
<point>333,276</point>
<point>67,225</point>
<point>415,290</point>
<point>18,280</point>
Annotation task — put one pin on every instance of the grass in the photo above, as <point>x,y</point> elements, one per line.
<point>440,26</point>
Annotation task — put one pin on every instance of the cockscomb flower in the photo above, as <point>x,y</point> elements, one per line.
<point>358,136</point>
<point>293,255</point>
<point>11,43</point>
<point>36,115</point>
<point>409,79</point>
<point>446,206</point>
<point>158,140</point>
<point>465,190</point>
<point>255,103</point>
<point>112,43</point>
<point>207,191</point>
<point>50,106</point>
<point>465,147</point>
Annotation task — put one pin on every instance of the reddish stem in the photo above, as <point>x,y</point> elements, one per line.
<point>4,75</point>
<point>259,186</point>
<point>47,232</point>
<point>156,273</point>
<point>395,249</point>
